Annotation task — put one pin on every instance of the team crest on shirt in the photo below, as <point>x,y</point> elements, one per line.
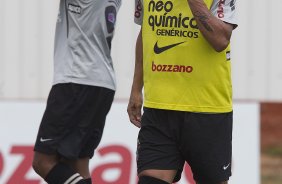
<point>111,18</point>
<point>110,14</point>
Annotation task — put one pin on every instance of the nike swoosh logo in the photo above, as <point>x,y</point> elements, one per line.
<point>225,167</point>
<point>45,140</point>
<point>159,50</point>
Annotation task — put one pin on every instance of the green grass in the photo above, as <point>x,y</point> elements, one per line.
<point>271,179</point>
<point>273,151</point>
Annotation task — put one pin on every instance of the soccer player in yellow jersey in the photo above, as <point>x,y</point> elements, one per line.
<point>183,63</point>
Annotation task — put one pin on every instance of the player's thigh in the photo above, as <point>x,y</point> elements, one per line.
<point>157,150</point>
<point>56,119</point>
<point>92,106</point>
<point>74,116</point>
<point>207,146</point>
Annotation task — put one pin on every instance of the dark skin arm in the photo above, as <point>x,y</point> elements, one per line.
<point>136,97</point>
<point>215,31</point>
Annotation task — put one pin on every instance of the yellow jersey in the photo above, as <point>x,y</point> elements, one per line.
<point>181,70</point>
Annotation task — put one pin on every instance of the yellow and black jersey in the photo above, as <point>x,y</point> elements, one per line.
<point>181,70</point>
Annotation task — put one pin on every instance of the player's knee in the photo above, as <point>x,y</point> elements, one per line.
<point>150,180</point>
<point>41,165</point>
<point>37,165</point>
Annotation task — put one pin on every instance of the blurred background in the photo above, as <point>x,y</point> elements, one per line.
<point>27,30</point>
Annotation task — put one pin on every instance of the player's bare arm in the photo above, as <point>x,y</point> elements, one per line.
<point>216,32</point>
<point>136,96</point>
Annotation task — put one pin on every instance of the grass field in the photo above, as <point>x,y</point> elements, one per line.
<point>271,172</point>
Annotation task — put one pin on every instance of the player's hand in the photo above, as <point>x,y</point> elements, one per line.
<point>134,108</point>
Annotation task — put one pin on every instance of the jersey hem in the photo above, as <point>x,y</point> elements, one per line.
<point>190,108</point>
<point>90,83</point>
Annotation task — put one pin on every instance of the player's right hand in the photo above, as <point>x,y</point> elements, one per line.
<point>134,108</point>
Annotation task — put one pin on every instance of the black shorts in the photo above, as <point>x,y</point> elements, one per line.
<point>169,138</point>
<point>74,119</point>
